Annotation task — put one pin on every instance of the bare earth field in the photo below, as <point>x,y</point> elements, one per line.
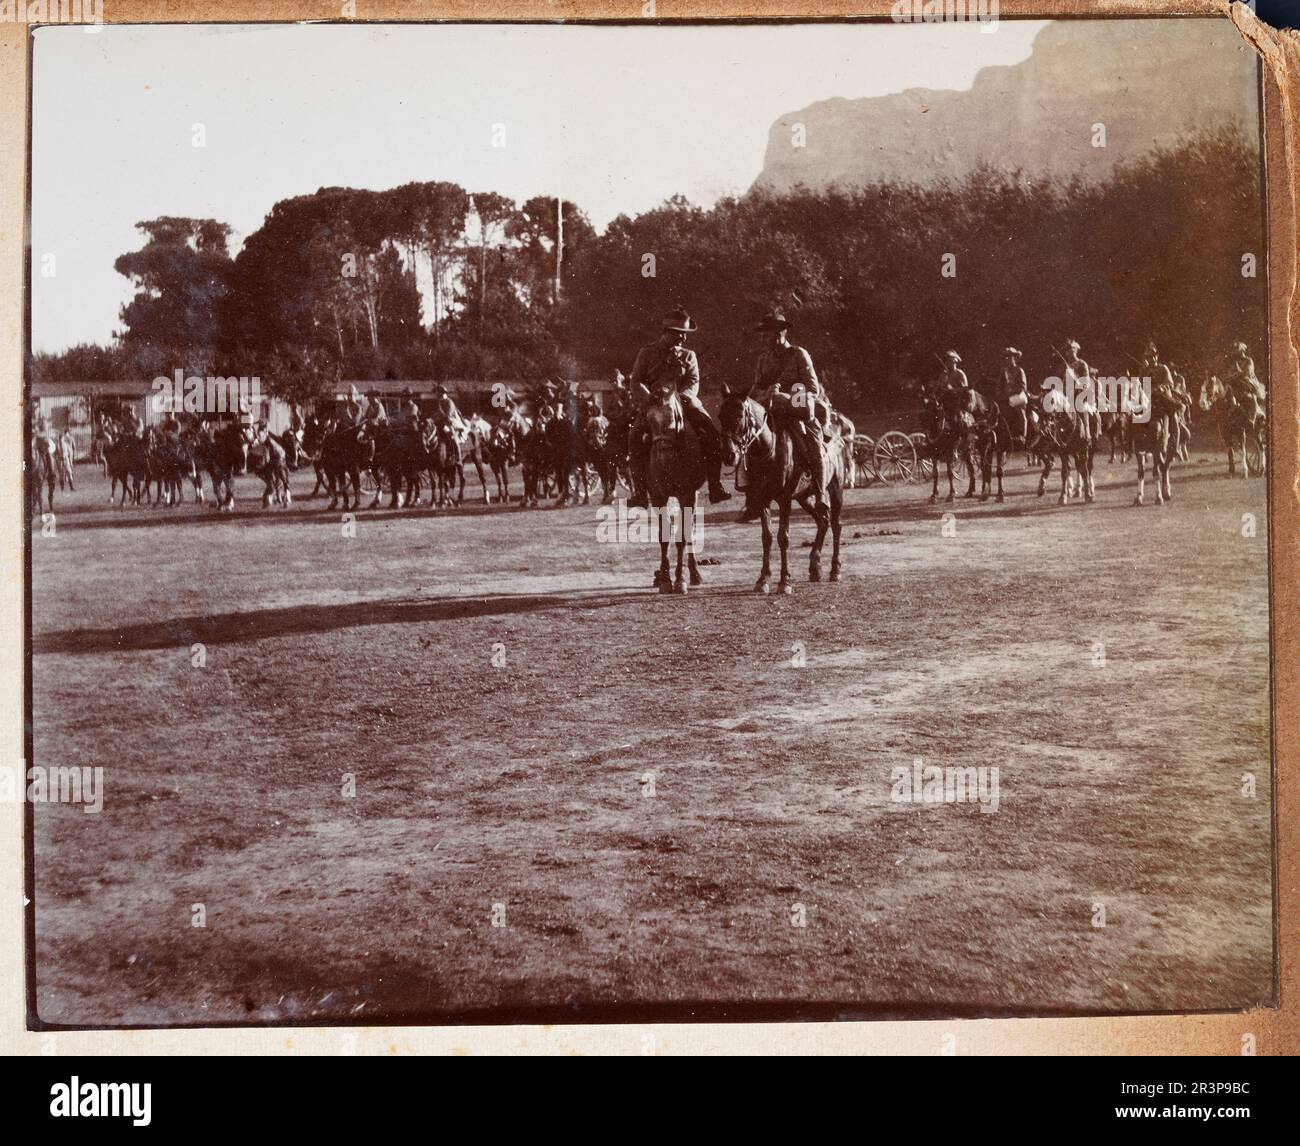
<point>525,784</point>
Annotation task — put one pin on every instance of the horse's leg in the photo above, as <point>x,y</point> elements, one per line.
<point>968,456</point>
<point>783,541</point>
<point>663,578</point>
<point>823,518</point>
<point>679,582</point>
<point>1065,477</point>
<point>836,492</point>
<point>1047,470</point>
<point>1142,472</point>
<point>948,461</point>
<point>1000,459</point>
<point>765,574</point>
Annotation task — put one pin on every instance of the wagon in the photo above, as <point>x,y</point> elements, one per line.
<point>893,458</point>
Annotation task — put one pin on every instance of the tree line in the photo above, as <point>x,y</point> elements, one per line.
<point>430,281</point>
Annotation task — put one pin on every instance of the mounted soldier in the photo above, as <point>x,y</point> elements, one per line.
<point>786,383</point>
<point>669,358</point>
<point>375,415</point>
<point>1011,393</point>
<point>1242,382</point>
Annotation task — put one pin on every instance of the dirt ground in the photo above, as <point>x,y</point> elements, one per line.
<point>643,797</point>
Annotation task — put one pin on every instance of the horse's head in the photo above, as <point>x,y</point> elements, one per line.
<point>742,420</point>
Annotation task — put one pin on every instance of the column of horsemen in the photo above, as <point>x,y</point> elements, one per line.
<point>561,437</point>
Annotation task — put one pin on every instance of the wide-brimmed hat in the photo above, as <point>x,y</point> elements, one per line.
<point>773,320</point>
<point>679,320</point>
<point>1072,343</point>
<point>954,356</point>
<point>1240,348</point>
<point>1012,352</point>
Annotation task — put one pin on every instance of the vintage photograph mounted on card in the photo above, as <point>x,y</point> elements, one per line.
<point>646,521</point>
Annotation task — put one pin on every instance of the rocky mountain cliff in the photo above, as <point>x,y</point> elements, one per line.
<point>1147,81</point>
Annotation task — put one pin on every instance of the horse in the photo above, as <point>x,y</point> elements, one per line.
<point>1242,419</point>
<point>565,461</point>
<point>1156,437</point>
<point>535,456</point>
<point>269,458</point>
<point>950,434</point>
<point>445,466</point>
<point>126,459</point>
<point>1070,434</point>
<point>501,449</point>
<point>170,461</point>
<point>42,474</point>
<point>676,472</point>
<point>221,451</point>
<point>595,452</point>
<point>344,453</point>
<point>473,448</point>
<point>313,436</point>
<point>773,474</point>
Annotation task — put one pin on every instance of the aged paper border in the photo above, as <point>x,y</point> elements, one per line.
<point>1275,1030</point>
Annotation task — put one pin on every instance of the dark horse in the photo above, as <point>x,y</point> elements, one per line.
<point>344,453</point>
<point>950,433</point>
<point>772,474</point>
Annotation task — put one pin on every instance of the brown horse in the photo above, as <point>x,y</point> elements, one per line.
<point>676,472</point>
<point>772,474</point>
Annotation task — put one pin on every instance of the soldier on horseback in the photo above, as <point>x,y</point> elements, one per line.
<point>668,359</point>
<point>786,384</point>
<point>1011,394</point>
<point>1242,383</point>
<point>375,414</point>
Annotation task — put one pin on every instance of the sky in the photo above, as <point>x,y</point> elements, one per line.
<point>614,118</point>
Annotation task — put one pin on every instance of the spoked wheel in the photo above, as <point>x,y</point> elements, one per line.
<point>368,483</point>
<point>895,457</point>
<point>924,466</point>
<point>864,460</point>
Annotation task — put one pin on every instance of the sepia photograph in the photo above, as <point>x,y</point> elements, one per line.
<point>646,522</point>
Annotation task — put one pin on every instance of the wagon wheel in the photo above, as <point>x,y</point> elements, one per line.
<point>924,465</point>
<point>368,483</point>
<point>959,470</point>
<point>895,457</point>
<point>1255,457</point>
<point>864,459</point>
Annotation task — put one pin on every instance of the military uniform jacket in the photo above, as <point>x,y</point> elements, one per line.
<point>784,367</point>
<point>657,361</point>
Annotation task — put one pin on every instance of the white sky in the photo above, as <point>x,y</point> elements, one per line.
<point>614,118</point>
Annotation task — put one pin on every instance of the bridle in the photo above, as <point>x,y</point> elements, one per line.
<point>751,424</point>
